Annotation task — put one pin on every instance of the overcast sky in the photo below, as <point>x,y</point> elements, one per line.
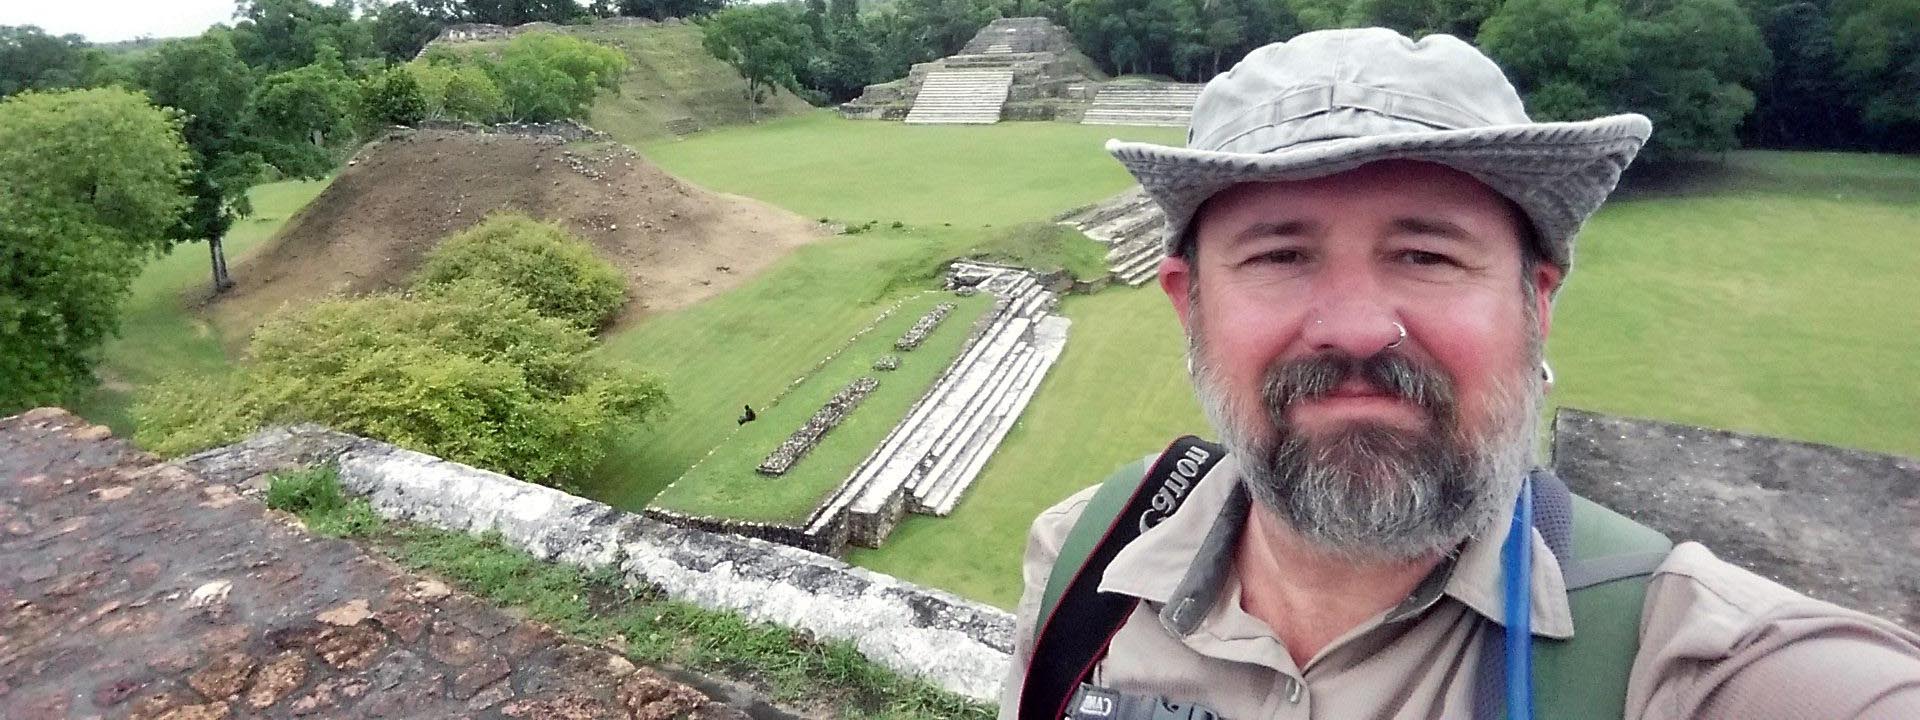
<point>113,20</point>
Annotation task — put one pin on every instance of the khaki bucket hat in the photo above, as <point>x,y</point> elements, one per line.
<point>1329,101</point>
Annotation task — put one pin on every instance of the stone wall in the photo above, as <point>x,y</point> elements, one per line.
<point>955,643</point>
<point>1840,525</point>
<point>921,328</point>
<point>822,421</point>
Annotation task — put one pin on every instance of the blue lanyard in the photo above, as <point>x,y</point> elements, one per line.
<point>1516,557</point>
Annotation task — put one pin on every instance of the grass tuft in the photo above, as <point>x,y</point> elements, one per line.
<point>314,495</point>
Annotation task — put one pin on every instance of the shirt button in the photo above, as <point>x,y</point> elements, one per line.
<point>1295,689</point>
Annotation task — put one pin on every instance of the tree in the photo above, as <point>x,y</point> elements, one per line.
<point>33,60</point>
<point>399,30</point>
<point>1796,107</point>
<point>521,12</point>
<point>547,76</point>
<point>205,78</point>
<point>663,9</point>
<point>276,35</point>
<point>391,97</point>
<point>92,188</point>
<point>766,44</point>
<point>301,116</point>
<point>1879,45</point>
<point>1691,66</point>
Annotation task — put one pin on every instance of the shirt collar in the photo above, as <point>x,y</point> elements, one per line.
<point>1183,564</point>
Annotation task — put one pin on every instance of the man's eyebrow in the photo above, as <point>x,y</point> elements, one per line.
<point>1273,228</point>
<point>1432,227</point>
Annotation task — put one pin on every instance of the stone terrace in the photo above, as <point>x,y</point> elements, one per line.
<point>933,455</point>
<point>1138,103</point>
<point>1130,225</point>
<point>135,589</point>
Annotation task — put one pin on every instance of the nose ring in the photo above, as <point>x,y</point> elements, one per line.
<point>1403,336</point>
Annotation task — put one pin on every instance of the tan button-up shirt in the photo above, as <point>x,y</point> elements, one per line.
<point>1716,641</point>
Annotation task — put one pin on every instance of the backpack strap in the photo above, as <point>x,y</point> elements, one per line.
<point>1076,621</point>
<point>1605,559</point>
<point>1613,559</point>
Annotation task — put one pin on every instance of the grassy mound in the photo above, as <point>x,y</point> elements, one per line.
<point>725,483</point>
<point>669,77</point>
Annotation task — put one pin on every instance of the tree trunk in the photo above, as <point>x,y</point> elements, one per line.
<point>222,281</point>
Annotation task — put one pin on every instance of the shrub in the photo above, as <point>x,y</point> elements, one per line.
<point>392,97</point>
<point>459,92</point>
<point>557,273</point>
<point>470,373</point>
<point>548,76</point>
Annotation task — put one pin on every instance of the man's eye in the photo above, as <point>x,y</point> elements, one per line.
<point>1281,257</point>
<point>1422,257</point>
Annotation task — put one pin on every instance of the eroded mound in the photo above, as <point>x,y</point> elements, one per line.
<point>373,225</point>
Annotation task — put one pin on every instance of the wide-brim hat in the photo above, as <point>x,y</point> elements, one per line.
<point>1330,101</point>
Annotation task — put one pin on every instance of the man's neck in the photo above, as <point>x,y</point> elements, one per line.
<point>1308,597</point>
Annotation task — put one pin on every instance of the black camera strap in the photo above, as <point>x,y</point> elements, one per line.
<point>1076,620</point>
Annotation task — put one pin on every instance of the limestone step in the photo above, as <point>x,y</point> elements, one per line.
<point>961,97</point>
<point>967,436</point>
<point>1049,339</point>
<point>881,473</point>
<point>962,436</point>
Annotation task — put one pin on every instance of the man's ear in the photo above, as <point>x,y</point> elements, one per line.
<point>1546,281</point>
<point>1176,278</point>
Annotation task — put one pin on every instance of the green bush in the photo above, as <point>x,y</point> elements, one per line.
<point>557,273</point>
<point>470,373</point>
<point>547,76</point>
<point>457,92</point>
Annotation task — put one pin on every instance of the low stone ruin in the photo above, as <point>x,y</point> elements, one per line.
<point>803,441</point>
<point>921,328</point>
<point>1131,226</point>
<point>1135,102</point>
<point>887,363</point>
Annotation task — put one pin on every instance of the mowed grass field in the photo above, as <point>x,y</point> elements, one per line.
<point>853,171</point>
<point>726,483</point>
<point>159,333</point>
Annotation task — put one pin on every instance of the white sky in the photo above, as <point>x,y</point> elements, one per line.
<point>115,20</point>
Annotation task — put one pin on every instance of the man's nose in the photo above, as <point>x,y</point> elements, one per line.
<point>1352,316</point>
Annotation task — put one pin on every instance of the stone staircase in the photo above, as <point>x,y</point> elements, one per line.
<point>1130,225</point>
<point>928,461</point>
<point>1164,104</point>
<point>961,97</point>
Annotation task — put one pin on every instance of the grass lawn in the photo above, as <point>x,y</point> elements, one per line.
<point>746,346</point>
<point>852,171</point>
<point>726,484</point>
<point>159,333</point>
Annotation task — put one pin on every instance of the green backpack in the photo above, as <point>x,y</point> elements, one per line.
<point>1611,559</point>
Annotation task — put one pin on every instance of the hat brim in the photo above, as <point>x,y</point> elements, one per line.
<point>1558,173</point>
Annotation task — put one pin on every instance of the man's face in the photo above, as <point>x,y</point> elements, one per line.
<point>1297,292</point>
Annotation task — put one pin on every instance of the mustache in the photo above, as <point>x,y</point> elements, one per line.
<point>1393,373</point>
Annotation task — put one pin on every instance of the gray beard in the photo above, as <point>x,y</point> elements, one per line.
<point>1372,494</point>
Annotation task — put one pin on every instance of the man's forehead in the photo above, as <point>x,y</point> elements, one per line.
<point>1420,188</point>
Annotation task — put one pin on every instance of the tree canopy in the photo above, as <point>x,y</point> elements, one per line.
<point>92,190</point>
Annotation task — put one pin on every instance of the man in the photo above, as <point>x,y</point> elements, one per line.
<point>1365,234</point>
